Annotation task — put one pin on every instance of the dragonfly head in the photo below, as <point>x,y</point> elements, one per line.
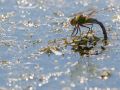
<point>73,22</point>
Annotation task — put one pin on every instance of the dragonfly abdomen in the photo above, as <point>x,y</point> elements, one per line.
<point>95,21</point>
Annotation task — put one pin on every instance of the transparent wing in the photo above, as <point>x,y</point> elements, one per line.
<point>88,12</point>
<point>91,12</point>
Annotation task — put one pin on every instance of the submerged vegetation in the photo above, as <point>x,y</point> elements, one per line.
<point>85,44</point>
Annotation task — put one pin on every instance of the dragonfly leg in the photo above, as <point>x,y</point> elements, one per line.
<point>85,26</point>
<point>73,31</point>
<point>76,32</point>
<point>91,27</point>
<point>79,30</point>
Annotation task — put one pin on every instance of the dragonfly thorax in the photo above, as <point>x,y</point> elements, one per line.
<point>81,19</point>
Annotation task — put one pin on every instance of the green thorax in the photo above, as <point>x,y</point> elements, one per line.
<point>83,19</point>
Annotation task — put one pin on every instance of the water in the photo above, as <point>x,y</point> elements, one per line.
<point>26,26</point>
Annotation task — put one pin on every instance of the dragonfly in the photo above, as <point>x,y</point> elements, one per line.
<point>80,20</point>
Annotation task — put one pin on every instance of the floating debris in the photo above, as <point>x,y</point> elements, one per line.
<point>51,49</point>
<point>116,18</point>
<point>4,62</point>
<point>35,42</point>
<point>29,23</point>
<point>6,16</point>
<point>85,43</point>
<point>105,74</point>
<point>42,78</point>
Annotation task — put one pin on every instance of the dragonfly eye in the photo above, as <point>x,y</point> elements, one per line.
<point>73,22</point>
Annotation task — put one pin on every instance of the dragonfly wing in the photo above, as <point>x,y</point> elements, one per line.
<point>89,12</point>
<point>92,13</point>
